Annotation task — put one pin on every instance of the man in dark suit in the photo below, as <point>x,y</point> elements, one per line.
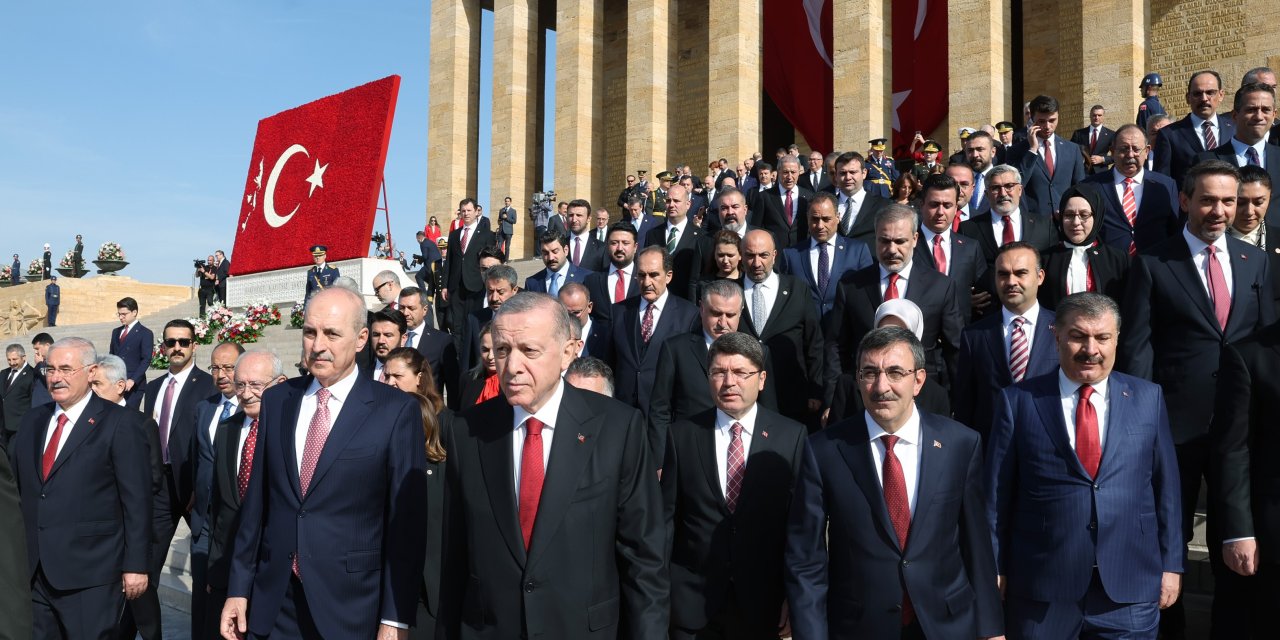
<point>15,391</point>
<point>223,272</point>
<point>887,536</point>
<point>39,387</point>
<point>939,247</point>
<point>555,221</point>
<point>780,313</point>
<point>330,521</point>
<point>816,178</point>
<point>896,276</point>
<point>780,209</point>
<point>1049,164</point>
<point>15,581</point>
<point>982,153</point>
<point>438,347</point>
<point>1095,139</point>
<point>1007,221</point>
<point>429,257</point>
<point>641,324</point>
<point>322,275</point>
<point>1179,144</point>
<point>727,530</point>
<point>464,286</point>
<point>618,281</point>
<point>1004,348</point>
<point>1244,532</point>
<point>723,172</point>
<point>171,401</point>
<point>235,447</point>
<point>593,335</point>
<point>506,224</point>
<point>1154,196</point>
<point>559,269</point>
<point>687,244</point>
<point>586,251</point>
<point>1254,113</point>
<point>1182,305</point>
<point>132,341</point>
<point>500,283</point>
<point>640,219</point>
<point>824,259</point>
<point>1082,487</point>
<point>577,547</point>
<point>83,473</point>
<point>856,207</point>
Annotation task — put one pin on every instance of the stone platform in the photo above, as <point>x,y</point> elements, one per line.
<point>84,301</point>
<point>284,287</point>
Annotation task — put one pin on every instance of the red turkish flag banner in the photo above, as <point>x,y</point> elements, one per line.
<point>797,65</point>
<point>314,178</point>
<point>920,86</point>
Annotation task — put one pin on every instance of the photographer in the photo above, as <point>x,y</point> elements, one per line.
<point>207,276</point>
<point>540,213</point>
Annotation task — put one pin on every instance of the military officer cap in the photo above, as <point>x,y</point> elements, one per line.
<point>1004,126</point>
<point>319,249</point>
<point>878,144</point>
<point>53,277</point>
<point>931,146</point>
<point>665,176</point>
<point>641,172</point>
<point>965,132</point>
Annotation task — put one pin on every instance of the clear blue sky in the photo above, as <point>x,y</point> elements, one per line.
<point>133,122</point>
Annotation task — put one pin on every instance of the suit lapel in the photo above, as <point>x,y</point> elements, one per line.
<point>633,332</point>
<point>230,454</point>
<point>358,405</point>
<point>929,475</point>
<point>1242,283</point>
<point>857,451</point>
<point>1049,406</point>
<point>999,355</point>
<point>574,442</point>
<point>45,413</point>
<point>809,275</point>
<point>705,437</point>
<point>292,406</point>
<point>1113,201</point>
<point>89,420</point>
<point>499,474</point>
<point>1119,397</point>
<point>1183,268</point>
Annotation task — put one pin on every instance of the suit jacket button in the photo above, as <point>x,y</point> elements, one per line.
<point>528,587</point>
<point>292,555</point>
<point>1097,488</point>
<point>906,562</point>
<point>1093,526</point>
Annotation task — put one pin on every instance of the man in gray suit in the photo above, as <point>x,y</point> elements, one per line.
<point>506,224</point>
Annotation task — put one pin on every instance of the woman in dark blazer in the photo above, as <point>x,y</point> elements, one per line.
<point>1080,262</point>
<point>725,262</point>
<point>481,382</point>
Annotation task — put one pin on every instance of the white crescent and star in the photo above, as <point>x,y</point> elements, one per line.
<point>269,201</point>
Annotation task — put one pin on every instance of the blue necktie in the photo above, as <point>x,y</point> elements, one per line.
<point>554,288</point>
<point>1251,154</point>
<point>226,410</point>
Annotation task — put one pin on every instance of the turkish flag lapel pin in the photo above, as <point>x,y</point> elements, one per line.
<point>937,445</point>
<point>581,438</point>
<point>764,434</point>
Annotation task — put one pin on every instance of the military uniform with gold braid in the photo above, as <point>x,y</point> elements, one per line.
<point>321,276</point>
<point>659,200</point>
<point>880,172</point>
<point>920,168</point>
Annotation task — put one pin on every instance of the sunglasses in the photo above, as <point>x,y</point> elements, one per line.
<point>174,342</point>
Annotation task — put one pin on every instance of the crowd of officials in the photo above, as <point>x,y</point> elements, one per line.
<point>799,404</point>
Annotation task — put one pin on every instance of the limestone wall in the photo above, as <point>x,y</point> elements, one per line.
<point>84,301</point>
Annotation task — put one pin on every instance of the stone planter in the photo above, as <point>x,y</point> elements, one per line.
<point>35,277</point>
<point>70,273</point>
<point>110,267</point>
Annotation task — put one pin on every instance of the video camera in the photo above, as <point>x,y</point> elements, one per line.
<point>200,263</point>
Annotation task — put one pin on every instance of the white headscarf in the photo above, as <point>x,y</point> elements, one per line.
<point>904,310</point>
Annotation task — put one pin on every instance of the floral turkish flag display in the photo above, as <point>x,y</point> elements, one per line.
<point>919,69</point>
<point>314,178</point>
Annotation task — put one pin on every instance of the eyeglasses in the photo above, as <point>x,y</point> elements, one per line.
<point>997,188</point>
<point>173,342</point>
<point>255,387</point>
<point>124,314</point>
<point>379,287</point>
<point>1082,217</point>
<point>721,375</point>
<point>64,371</point>
<point>894,374</point>
<point>225,368</point>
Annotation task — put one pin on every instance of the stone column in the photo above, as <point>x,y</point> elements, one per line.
<point>981,79</point>
<point>1114,46</point>
<point>453,120</point>
<point>514,163</point>
<point>579,161</point>
<point>733,116</point>
<point>647,74</point>
<point>862,72</point>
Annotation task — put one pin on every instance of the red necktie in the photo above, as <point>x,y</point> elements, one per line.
<point>939,256</point>
<point>955,223</point>
<point>317,433</point>
<point>531,475</point>
<point>1093,140</point>
<point>123,334</point>
<point>786,207</point>
<point>891,291</point>
<point>735,462</point>
<point>1218,294</point>
<point>1130,211</point>
<point>620,287</point>
<point>1007,236</point>
<point>1048,157</point>
<point>246,458</point>
<point>464,240</point>
<point>1088,443</point>
<point>895,498</point>
<point>1019,350</point>
<point>51,450</point>
<point>1210,142</point>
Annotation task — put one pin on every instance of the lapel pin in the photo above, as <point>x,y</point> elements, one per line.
<point>1124,393</point>
<point>90,420</point>
<point>764,434</point>
<point>937,445</point>
<point>786,293</point>
<point>430,471</point>
<point>1244,257</point>
<point>581,438</point>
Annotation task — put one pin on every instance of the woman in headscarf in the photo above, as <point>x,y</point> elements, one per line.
<point>1080,262</point>
<point>847,402</point>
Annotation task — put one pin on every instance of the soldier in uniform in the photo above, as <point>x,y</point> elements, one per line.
<point>52,299</point>
<point>1150,105</point>
<point>322,275</point>
<point>1005,130</point>
<point>881,172</point>
<point>658,201</point>
<point>925,161</point>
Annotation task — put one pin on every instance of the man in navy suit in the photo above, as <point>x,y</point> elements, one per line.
<point>887,536</point>
<point>687,243</point>
<point>1254,113</point>
<point>1178,144</point>
<point>980,153</point>
<point>618,281</point>
<point>856,205</point>
<point>1008,220</point>
<point>83,472</point>
<point>640,219</point>
<point>558,269</point>
<point>586,251</point>
<point>1155,199</point>
<point>1049,164</point>
<point>132,341</point>
<point>1004,348</point>
<point>1183,303</point>
<point>1095,139</point>
<point>825,257</point>
<point>640,325</point>
<point>950,253</point>
<point>769,209</point>
<point>594,334</point>
<point>331,521</point>
<point>1082,486</point>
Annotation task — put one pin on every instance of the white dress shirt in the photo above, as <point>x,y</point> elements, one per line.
<point>929,235</point>
<point>217,413</point>
<point>678,226</point>
<point>244,435</point>
<point>1077,267</point>
<point>907,450</point>
<point>586,333</point>
<point>562,276</point>
<point>548,415</point>
<point>1050,142</point>
<point>813,256</point>
<point>851,206</point>
<point>1119,187</point>
<point>997,225</point>
<point>1241,149</point>
<point>724,435</point>
<point>338,393</point>
<point>1069,395</point>
<point>73,415</point>
<point>628,271</point>
<point>659,306</point>
<point>795,202</point>
<point>1197,247</point>
<point>769,289</point>
<point>1197,124</point>
<point>1032,316</point>
<point>904,277</point>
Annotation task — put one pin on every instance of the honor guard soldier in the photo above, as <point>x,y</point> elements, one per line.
<point>322,275</point>
<point>1150,105</point>
<point>881,171</point>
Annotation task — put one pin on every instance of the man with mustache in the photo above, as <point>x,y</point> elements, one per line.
<point>826,256</point>
<point>1082,485</point>
<point>1006,221</point>
<point>886,537</point>
<point>386,331</point>
<point>733,211</point>
<point>618,282</point>
<point>1188,297</point>
<point>1141,206</point>
<point>1180,143</point>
